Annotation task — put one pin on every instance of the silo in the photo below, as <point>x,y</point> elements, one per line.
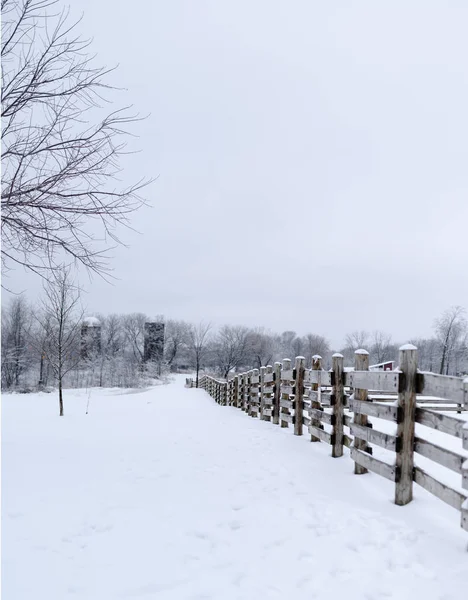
<point>154,341</point>
<point>90,337</point>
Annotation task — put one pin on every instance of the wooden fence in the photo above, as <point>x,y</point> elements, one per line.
<point>335,406</point>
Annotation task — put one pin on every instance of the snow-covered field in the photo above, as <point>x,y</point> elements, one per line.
<point>163,494</point>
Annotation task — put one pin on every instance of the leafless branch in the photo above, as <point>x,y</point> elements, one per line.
<point>61,157</point>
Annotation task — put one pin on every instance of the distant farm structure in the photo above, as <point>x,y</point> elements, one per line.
<point>154,342</point>
<point>90,338</point>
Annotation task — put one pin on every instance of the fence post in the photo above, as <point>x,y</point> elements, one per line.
<point>299,395</point>
<point>254,394</point>
<point>240,392</point>
<point>247,392</point>
<point>337,402</point>
<point>225,393</point>
<point>235,399</point>
<point>277,393</point>
<point>315,388</point>
<point>285,396</point>
<point>361,363</point>
<point>262,393</point>
<point>405,427</point>
<point>268,393</point>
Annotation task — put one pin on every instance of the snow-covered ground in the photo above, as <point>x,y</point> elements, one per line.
<point>163,494</point>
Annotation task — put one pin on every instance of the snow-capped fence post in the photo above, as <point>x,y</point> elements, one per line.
<point>361,363</point>
<point>405,426</point>
<point>337,401</point>
<point>285,400</point>
<point>262,387</point>
<point>255,393</point>
<point>246,407</point>
<point>268,393</point>
<point>277,393</point>
<point>235,398</point>
<point>299,371</point>
<point>225,393</point>
<point>315,396</point>
<point>240,391</point>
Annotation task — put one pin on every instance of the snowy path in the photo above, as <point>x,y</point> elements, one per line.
<point>164,494</point>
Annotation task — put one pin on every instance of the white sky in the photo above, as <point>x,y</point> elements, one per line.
<point>312,160</point>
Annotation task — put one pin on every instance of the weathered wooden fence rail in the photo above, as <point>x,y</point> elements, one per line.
<point>327,402</point>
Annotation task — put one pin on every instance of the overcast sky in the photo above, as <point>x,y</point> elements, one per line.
<point>312,161</point>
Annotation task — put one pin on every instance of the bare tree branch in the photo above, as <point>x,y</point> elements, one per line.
<point>61,157</point>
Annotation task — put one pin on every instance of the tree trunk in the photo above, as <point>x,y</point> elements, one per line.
<point>442,362</point>
<point>60,397</point>
<point>41,372</point>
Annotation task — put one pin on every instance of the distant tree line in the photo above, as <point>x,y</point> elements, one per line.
<point>41,346</point>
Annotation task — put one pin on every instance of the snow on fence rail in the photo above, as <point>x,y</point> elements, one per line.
<point>319,400</point>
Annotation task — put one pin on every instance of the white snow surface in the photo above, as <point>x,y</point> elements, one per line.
<point>163,494</point>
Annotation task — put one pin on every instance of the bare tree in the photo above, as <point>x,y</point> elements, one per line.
<point>61,312</point>
<point>450,329</point>
<point>231,347</point>
<point>357,339</point>
<point>176,340</point>
<point>61,153</point>
<point>286,343</point>
<point>381,348</point>
<point>16,326</point>
<point>315,345</point>
<point>134,330</point>
<point>198,340</point>
<point>297,347</point>
<point>428,352</point>
<point>262,346</point>
<point>39,340</point>
<point>111,346</point>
